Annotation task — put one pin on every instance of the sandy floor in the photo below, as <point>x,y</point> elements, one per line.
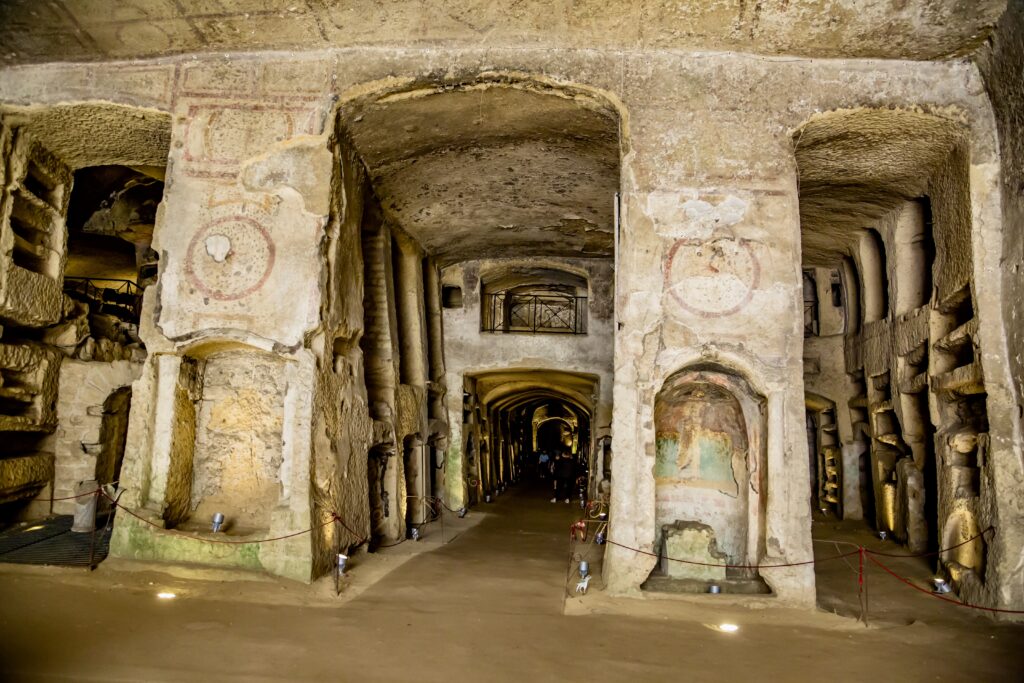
<point>488,606</point>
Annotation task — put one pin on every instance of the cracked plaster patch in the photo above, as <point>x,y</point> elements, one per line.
<point>218,247</point>
<point>683,215</point>
<point>302,165</point>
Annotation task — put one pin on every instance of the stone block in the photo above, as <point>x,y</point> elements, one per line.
<point>28,380</point>
<point>35,197</point>
<point>68,334</point>
<point>695,542</point>
<point>25,476</point>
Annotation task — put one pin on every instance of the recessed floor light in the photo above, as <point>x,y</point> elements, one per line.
<point>723,628</point>
<point>166,595</point>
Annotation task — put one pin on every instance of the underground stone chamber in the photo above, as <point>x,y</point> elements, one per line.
<point>885,200</point>
<point>84,183</point>
<point>426,247</point>
<point>710,482</point>
<point>485,230</point>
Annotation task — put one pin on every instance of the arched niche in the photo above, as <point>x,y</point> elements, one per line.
<point>227,439</point>
<point>825,451</point>
<point>964,552</point>
<point>556,416</point>
<point>709,470</point>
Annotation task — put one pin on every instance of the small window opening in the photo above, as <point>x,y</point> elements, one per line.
<point>836,289</point>
<point>451,296</point>
<point>535,301</point>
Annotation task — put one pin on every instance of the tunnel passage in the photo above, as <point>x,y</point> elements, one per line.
<point>525,414</point>
<point>493,167</point>
<point>895,386</point>
<point>484,211</point>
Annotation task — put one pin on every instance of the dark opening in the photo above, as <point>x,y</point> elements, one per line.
<point>928,248</point>
<point>883,266</point>
<point>451,296</point>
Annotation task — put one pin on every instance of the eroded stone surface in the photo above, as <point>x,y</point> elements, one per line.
<point>24,476</point>
<point>920,29</point>
<point>694,543</point>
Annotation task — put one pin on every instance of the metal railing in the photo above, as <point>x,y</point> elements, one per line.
<point>535,313</point>
<point>810,318</point>
<point>122,298</point>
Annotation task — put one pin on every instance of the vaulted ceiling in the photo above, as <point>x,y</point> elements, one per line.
<point>492,169</point>
<point>857,165</point>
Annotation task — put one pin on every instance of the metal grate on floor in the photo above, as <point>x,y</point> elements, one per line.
<point>51,541</point>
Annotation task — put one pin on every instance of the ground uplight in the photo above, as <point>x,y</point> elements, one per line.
<point>723,628</point>
<point>166,595</point>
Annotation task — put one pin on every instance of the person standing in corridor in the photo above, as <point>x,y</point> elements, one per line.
<point>565,475</point>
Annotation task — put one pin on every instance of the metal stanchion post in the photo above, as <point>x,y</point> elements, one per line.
<point>866,601</point>
<point>92,537</point>
<point>440,512</point>
<point>862,587</point>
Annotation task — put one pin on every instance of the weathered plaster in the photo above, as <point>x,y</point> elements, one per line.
<point>706,172</point>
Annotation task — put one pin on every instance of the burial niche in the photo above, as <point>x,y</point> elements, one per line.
<point>227,444</point>
<point>708,479</point>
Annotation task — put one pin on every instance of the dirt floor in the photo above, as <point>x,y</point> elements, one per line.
<point>489,606</point>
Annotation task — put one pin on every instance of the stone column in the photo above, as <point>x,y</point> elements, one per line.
<point>408,269</point>
<point>246,202</point>
<point>708,276</point>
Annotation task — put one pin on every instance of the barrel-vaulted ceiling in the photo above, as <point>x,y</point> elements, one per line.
<point>857,165</point>
<point>502,388</point>
<point>493,168</point>
<point>61,30</point>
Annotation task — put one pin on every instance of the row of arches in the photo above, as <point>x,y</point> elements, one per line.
<point>868,214</point>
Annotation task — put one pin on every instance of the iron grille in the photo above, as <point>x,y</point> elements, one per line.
<point>810,319</point>
<point>535,313</point>
<point>121,298</point>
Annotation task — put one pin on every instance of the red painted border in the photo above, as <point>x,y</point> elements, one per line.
<point>202,232</point>
<point>709,314</point>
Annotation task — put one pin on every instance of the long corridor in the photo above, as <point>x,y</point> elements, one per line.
<point>487,606</point>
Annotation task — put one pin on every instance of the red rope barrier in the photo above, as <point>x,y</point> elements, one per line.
<point>862,553</point>
<point>333,518</point>
<point>805,562</point>
<point>362,539</point>
<point>736,566</point>
<point>80,495</point>
<point>436,500</point>
<point>941,597</point>
<point>935,552</point>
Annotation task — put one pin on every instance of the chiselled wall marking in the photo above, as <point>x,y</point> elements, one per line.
<point>220,136</point>
<point>233,111</point>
